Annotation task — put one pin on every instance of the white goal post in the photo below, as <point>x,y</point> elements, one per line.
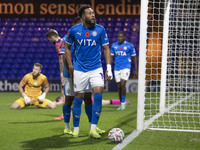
<point>169,66</point>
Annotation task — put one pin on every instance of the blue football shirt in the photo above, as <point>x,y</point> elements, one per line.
<point>122,53</point>
<point>87,46</point>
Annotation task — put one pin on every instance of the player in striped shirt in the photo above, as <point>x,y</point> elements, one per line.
<point>68,88</point>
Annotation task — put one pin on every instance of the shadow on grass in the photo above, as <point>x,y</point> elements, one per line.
<point>26,108</point>
<point>27,122</point>
<point>51,115</point>
<point>66,141</point>
<point>61,141</point>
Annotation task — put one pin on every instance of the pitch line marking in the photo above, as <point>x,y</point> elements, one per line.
<point>127,140</point>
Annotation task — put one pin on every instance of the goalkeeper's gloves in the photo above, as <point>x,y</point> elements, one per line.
<point>42,97</point>
<point>26,99</point>
<point>109,71</point>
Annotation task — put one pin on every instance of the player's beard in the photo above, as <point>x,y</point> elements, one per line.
<point>54,42</point>
<point>90,22</point>
<point>121,41</point>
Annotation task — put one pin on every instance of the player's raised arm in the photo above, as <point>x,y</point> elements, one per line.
<point>108,61</point>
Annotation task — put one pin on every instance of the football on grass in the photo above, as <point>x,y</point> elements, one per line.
<point>116,135</point>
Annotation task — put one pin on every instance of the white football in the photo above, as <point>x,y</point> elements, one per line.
<point>116,135</point>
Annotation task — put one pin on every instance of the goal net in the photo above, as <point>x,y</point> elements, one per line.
<point>169,66</point>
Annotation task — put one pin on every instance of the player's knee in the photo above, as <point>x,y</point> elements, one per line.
<point>69,100</point>
<point>79,95</point>
<point>88,98</point>
<point>123,83</point>
<point>68,104</point>
<point>54,107</point>
<point>98,89</point>
<point>123,86</point>
<point>88,101</point>
<point>88,95</point>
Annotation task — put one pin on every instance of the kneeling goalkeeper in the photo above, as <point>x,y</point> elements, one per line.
<point>31,89</point>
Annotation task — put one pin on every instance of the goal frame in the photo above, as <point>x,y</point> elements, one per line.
<point>141,124</point>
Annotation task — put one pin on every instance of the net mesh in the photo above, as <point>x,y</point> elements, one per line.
<point>182,98</point>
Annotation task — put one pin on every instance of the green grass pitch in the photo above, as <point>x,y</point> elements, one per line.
<point>34,129</point>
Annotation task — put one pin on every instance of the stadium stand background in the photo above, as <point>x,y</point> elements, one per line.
<point>23,43</point>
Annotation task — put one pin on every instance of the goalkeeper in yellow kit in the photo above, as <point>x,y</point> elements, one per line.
<point>31,89</point>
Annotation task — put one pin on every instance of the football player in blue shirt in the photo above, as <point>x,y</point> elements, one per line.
<point>123,52</point>
<point>67,87</point>
<point>86,69</point>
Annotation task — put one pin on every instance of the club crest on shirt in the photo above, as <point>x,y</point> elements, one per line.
<point>94,33</point>
<point>35,83</point>
<point>125,48</point>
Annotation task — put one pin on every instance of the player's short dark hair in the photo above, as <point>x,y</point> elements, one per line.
<point>77,20</point>
<point>82,9</point>
<point>51,32</point>
<point>38,65</point>
<point>58,98</point>
<point>122,32</point>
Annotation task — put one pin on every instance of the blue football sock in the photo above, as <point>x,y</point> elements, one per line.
<point>96,108</point>
<point>66,113</point>
<point>120,98</point>
<point>77,111</point>
<point>88,111</point>
<point>123,98</point>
